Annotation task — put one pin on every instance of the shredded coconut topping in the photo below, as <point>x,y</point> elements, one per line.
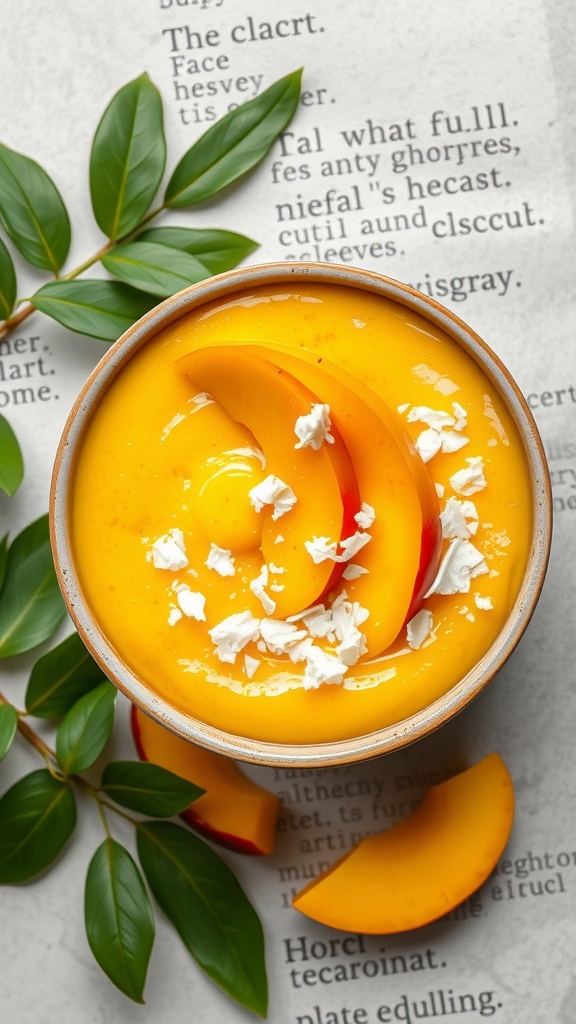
<point>353,571</point>
<point>461,564</point>
<point>169,551</point>
<point>484,603</point>
<point>250,665</point>
<point>314,428</point>
<point>468,481</point>
<point>272,491</point>
<point>455,518</point>
<point>232,634</point>
<point>322,548</point>
<point>366,516</point>
<point>419,628</point>
<point>257,587</point>
<point>221,560</point>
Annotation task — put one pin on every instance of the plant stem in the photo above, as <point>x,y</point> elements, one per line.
<point>30,736</point>
<point>23,314</point>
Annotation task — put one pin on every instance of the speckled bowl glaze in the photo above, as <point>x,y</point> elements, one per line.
<point>384,740</point>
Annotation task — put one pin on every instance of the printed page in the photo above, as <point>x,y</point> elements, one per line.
<point>434,144</point>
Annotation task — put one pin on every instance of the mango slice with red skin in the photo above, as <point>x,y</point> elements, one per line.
<point>419,870</point>
<point>404,552</point>
<point>234,811</point>
<point>268,400</point>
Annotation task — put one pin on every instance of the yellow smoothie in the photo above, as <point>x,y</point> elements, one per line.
<point>359,593</point>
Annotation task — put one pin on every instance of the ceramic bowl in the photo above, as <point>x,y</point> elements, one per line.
<point>288,276</point>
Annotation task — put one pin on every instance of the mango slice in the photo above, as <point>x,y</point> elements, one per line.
<point>404,551</point>
<point>422,868</point>
<point>268,401</point>
<point>234,811</point>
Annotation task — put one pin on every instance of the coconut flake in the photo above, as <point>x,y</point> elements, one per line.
<point>232,634</point>
<point>174,616</point>
<point>454,519</point>
<point>250,665</point>
<point>419,628</point>
<point>257,588</point>
<point>191,603</point>
<point>366,516</point>
<point>428,444</point>
<point>221,560</point>
<point>279,635</point>
<point>461,564</point>
<point>484,603</point>
<point>314,428</point>
<point>168,552</point>
<point>434,418</point>
<point>272,491</point>
<point>468,481</point>
<point>353,571</point>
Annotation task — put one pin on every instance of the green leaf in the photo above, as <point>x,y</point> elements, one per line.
<point>37,818</point>
<point>31,605</point>
<point>217,250</point>
<point>60,677</point>
<point>204,901</point>
<point>148,789</point>
<point>32,211</point>
<point>8,727</point>
<point>3,559</point>
<point>85,729</point>
<point>11,462</point>
<point>119,920</point>
<point>235,144</point>
<point>7,282</point>
<point>154,268</point>
<point>101,309</point>
<point>128,157</point>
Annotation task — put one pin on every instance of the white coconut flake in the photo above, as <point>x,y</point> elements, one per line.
<point>257,587</point>
<point>484,603</point>
<point>279,539</point>
<point>272,491</point>
<point>440,489</point>
<point>346,617</point>
<point>279,635</point>
<point>321,548</point>
<point>419,628</point>
<point>248,452</point>
<point>276,587</point>
<point>250,665</point>
<point>454,519</point>
<point>352,545</point>
<point>174,616</point>
<point>402,408</point>
<point>460,416</point>
<point>461,564</point>
<point>319,623</point>
<point>313,429</point>
<point>428,444</point>
<point>200,400</point>
<point>437,419</point>
<point>192,603</point>
<point>169,551</point>
<point>232,634</point>
<point>453,441</point>
<point>468,481</point>
<point>322,668</point>
<point>276,569</point>
<point>220,560</point>
<point>353,571</point>
<point>366,516</point>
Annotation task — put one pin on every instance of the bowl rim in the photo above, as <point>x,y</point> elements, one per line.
<point>388,738</point>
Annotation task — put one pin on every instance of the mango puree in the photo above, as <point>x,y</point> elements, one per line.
<point>144,468</point>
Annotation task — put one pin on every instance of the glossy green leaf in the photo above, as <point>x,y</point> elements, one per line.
<point>128,157</point>
<point>148,789</point>
<point>204,901</point>
<point>119,919</point>
<point>60,677</point>
<point>37,818</point>
<point>31,605</point>
<point>217,250</point>
<point>7,282</point>
<point>8,727</point>
<point>11,461</point>
<point>3,559</point>
<point>86,728</point>
<point>234,144</point>
<point>154,268</point>
<point>101,309</point>
<point>32,211</point>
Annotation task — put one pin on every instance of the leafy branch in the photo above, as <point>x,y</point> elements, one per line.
<point>191,884</point>
<point>127,165</point>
